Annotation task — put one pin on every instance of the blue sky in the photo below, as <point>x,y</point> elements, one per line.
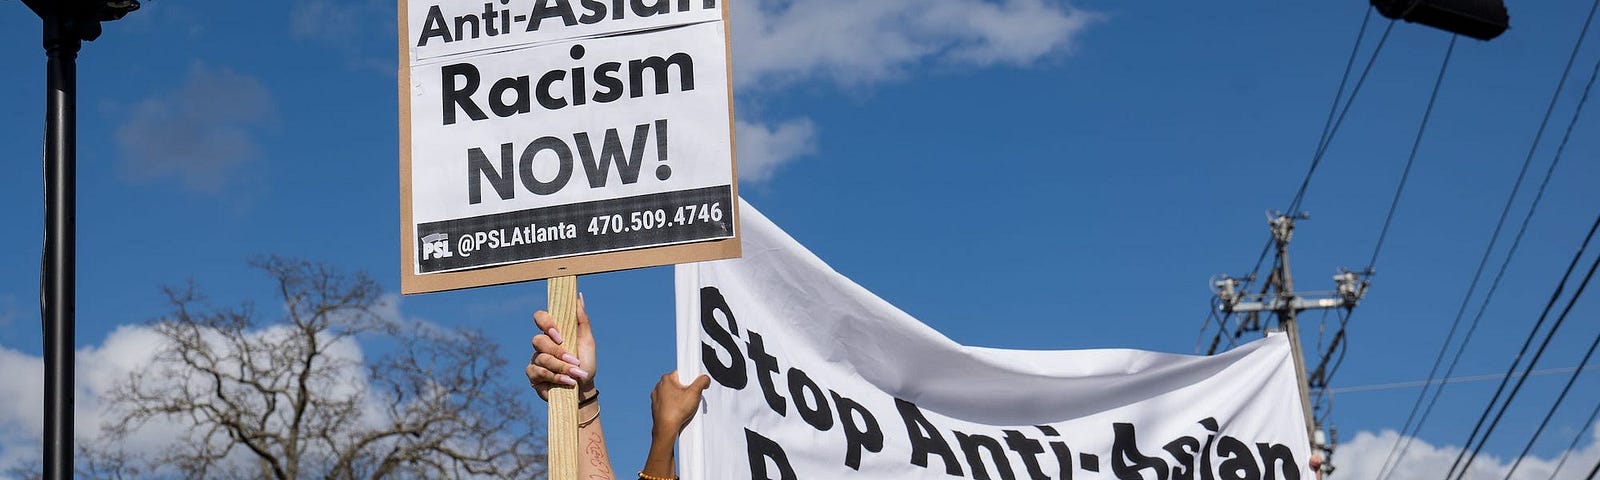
<point>1017,173</point>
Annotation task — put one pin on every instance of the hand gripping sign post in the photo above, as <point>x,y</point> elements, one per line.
<point>544,139</point>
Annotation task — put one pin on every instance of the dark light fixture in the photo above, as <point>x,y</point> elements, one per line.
<point>1480,19</point>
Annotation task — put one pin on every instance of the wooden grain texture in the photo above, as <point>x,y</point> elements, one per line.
<point>563,423</point>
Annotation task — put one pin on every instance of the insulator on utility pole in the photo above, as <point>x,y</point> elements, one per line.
<point>1480,19</point>
<point>1227,289</point>
<point>1351,286</point>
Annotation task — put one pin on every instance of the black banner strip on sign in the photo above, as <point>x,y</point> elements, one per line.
<point>576,229</point>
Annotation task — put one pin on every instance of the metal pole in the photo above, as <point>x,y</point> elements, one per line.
<point>57,301</point>
<point>1283,229</point>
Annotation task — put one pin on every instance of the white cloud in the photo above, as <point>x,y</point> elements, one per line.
<point>98,368</point>
<point>1363,456</point>
<point>348,27</point>
<point>763,148</point>
<point>854,43</point>
<point>21,407</point>
<point>201,133</point>
<point>323,19</point>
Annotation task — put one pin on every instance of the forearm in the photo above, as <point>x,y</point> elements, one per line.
<point>594,462</point>
<point>672,406</point>
<point>660,462</point>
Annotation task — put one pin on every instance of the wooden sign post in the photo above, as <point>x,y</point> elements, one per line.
<point>562,443</point>
<point>546,140</point>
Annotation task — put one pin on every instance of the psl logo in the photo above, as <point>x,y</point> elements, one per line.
<point>436,246</point>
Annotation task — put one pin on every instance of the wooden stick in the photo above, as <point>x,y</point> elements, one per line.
<point>562,442</point>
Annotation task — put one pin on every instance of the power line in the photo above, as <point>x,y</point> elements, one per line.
<point>1323,373</point>
<point>1554,296</point>
<point>1559,398</point>
<point>1466,379</point>
<point>1409,430</point>
<point>1416,145</point>
<point>1344,78</point>
<point>1330,128</point>
<point>1560,149</point>
<point>1321,377</point>
<point>1587,424</point>
<point>1221,321</point>
<point>1322,148</point>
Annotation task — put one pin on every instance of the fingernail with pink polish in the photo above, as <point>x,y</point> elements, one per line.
<point>571,359</point>
<point>578,372</point>
<point>556,335</point>
<point>566,380</point>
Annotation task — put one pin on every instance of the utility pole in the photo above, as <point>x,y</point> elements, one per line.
<point>1279,297</point>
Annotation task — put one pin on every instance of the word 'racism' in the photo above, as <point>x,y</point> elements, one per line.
<point>462,81</point>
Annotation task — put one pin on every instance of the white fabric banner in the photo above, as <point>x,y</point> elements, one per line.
<point>814,377</point>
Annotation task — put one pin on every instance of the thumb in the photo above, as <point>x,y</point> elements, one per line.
<point>699,384</point>
<point>583,316</point>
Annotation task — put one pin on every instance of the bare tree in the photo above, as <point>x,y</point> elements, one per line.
<point>290,399</point>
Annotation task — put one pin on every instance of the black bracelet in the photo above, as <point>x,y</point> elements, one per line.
<point>588,401</point>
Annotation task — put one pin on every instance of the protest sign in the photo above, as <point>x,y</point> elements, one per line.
<point>544,138</point>
<point>814,377</point>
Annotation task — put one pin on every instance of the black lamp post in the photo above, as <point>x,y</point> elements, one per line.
<point>67,24</point>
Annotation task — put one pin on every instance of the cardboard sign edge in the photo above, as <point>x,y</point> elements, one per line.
<point>414,283</point>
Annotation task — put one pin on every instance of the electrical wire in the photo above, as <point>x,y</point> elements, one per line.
<point>1344,78</point>
<point>1324,377</point>
<point>1466,379</point>
<point>1560,149</point>
<point>1211,314</point>
<point>1322,147</point>
<point>1344,322</point>
<point>1587,424</point>
<point>1416,145</point>
<point>1323,373</point>
<point>1336,117</point>
<point>1330,128</point>
<point>1559,398</point>
<point>1223,323</point>
<point>1414,423</point>
<point>1554,296</point>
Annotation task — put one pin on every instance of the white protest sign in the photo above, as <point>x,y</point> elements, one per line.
<point>813,377</point>
<point>535,130</point>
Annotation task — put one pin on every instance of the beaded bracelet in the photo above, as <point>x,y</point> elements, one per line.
<point>646,476</point>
